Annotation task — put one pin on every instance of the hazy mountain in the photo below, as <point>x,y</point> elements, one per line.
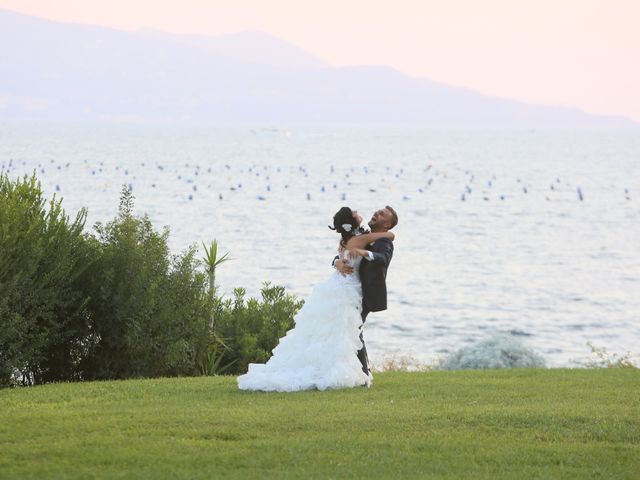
<point>52,70</point>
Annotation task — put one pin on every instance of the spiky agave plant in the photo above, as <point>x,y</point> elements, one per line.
<point>212,261</point>
<point>211,361</point>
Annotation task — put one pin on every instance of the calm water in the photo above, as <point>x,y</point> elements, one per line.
<point>493,236</point>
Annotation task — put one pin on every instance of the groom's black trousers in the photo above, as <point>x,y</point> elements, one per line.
<point>362,353</point>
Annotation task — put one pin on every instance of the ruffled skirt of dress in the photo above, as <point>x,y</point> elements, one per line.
<point>320,351</point>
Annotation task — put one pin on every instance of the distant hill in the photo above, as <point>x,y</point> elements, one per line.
<point>53,70</point>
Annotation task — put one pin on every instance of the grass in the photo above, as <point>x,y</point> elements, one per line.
<point>478,424</point>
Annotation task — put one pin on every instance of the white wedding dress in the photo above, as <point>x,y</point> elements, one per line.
<point>320,351</point>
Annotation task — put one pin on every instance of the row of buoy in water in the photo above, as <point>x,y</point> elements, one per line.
<point>256,170</point>
<point>343,195</point>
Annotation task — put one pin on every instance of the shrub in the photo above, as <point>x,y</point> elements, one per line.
<point>496,352</point>
<point>251,328</point>
<point>43,314</point>
<point>117,304</point>
<point>149,310</point>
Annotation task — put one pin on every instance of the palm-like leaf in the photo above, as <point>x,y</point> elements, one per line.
<point>212,261</point>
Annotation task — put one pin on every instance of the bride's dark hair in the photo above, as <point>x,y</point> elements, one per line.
<point>344,216</point>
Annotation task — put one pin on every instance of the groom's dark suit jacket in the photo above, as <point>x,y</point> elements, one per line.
<point>373,275</point>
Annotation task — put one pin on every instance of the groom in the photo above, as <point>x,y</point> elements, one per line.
<point>373,272</point>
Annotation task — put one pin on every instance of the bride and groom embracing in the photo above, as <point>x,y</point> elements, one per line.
<point>326,348</point>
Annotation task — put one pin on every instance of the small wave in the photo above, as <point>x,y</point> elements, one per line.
<point>519,333</point>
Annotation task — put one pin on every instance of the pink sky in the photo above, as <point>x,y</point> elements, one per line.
<point>580,53</point>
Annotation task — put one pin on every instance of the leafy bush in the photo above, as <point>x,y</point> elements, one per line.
<point>43,313</point>
<point>150,310</point>
<point>117,304</point>
<point>251,328</point>
<point>499,351</point>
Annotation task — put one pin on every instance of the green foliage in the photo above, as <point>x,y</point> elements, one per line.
<point>157,315</point>
<point>210,361</point>
<point>251,328</point>
<point>150,310</point>
<point>211,262</point>
<point>43,261</point>
<point>490,424</point>
<point>117,303</point>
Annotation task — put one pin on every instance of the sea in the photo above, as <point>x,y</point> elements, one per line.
<point>533,234</point>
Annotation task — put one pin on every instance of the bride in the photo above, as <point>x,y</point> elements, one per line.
<point>320,351</point>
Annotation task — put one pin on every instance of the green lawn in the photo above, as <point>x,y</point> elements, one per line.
<point>512,424</point>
